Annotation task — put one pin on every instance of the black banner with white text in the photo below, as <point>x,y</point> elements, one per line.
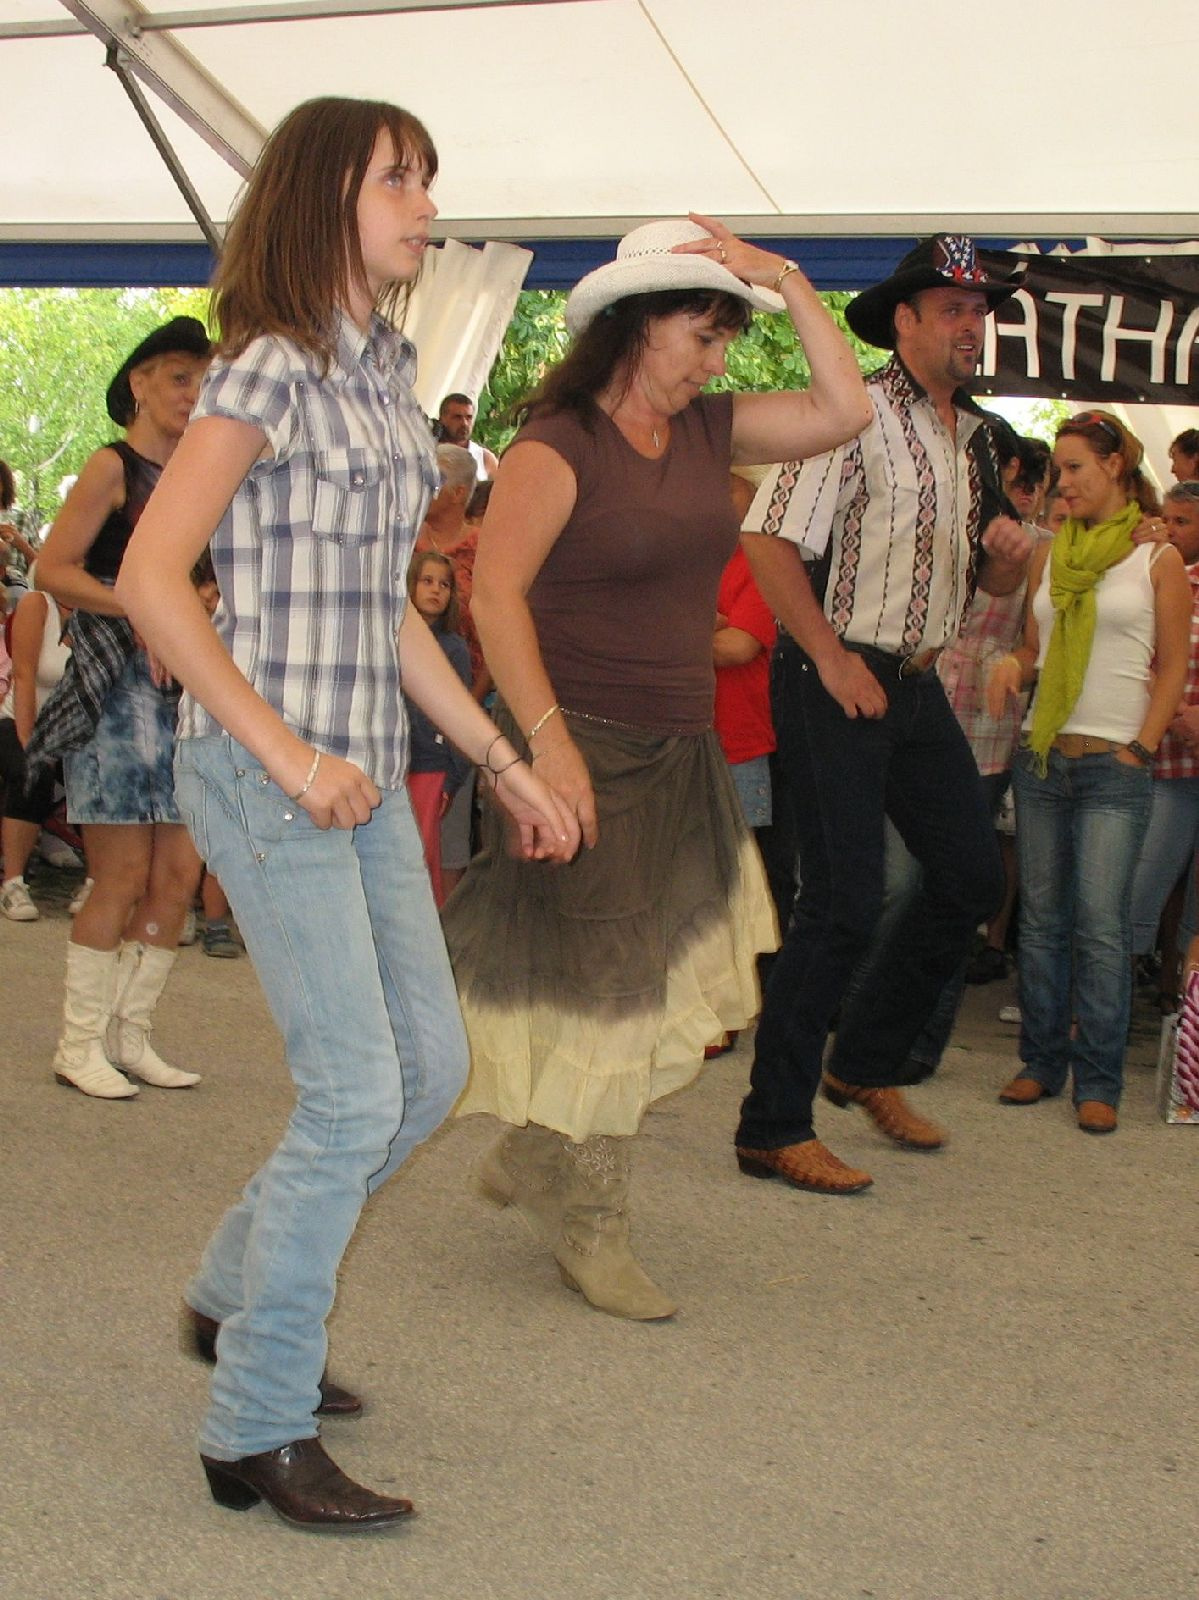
<point>1095,328</point>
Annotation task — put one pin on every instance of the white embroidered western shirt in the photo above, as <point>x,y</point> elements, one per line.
<point>894,515</point>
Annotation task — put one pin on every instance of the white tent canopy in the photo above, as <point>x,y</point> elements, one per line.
<point>556,118</point>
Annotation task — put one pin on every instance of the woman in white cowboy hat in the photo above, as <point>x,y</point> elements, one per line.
<point>591,991</point>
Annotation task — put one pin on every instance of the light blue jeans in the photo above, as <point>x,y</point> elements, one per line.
<point>1078,835</point>
<point>1170,843</point>
<point>346,942</point>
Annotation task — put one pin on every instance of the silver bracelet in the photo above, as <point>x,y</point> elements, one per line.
<point>307,783</point>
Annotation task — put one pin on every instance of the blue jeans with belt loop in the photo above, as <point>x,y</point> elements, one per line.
<point>847,775</point>
<point>1079,831</point>
<point>347,945</point>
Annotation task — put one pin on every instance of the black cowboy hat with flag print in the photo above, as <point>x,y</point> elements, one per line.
<point>946,261</point>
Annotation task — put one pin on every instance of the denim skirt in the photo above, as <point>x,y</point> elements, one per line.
<point>126,772</point>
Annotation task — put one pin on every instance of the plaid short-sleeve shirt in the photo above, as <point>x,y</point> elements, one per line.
<point>312,553</point>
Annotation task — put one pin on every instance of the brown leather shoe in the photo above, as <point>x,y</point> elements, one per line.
<point>304,1486</point>
<point>1023,1092</point>
<point>890,1112</point>
<point>199,1339</point>
<point>808,1165</point>
<point>1096,1116</point>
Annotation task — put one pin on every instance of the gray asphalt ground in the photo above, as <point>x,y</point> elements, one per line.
<point>974,1382</point>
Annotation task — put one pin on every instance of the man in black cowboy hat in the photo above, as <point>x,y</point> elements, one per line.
<point>869,557</point>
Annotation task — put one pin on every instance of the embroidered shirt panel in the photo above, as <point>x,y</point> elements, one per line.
<point>896,513</point>
<point>312,553</point>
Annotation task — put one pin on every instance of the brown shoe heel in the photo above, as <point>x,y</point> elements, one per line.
<point>755,1169</point>
<point>837,1097</point>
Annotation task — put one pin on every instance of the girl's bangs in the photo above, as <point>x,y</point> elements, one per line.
<point>411,141</point>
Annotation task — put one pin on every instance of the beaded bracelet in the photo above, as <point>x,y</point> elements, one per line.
<point>307,783</point>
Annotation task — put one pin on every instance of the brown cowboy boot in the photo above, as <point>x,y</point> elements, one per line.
<point>807,1165</point>
<point>889,1111</point>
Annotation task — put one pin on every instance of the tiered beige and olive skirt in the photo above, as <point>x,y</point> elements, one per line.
<point>591,990</point>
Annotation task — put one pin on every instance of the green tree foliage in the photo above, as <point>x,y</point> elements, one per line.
<point>535,340</point>
<point>59,349</point>
<point>1046,417</point>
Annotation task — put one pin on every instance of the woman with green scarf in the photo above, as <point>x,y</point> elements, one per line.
<point>1106,636</point>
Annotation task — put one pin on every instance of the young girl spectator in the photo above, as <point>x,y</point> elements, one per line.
<point>309,466</point>
<point>1106,629</point>
<point>435,768</point>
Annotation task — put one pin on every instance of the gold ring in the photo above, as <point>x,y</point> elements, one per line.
<point>720,247</point>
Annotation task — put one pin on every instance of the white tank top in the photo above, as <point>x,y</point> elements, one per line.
<point>51,662</point>
<point>481,472</point>
<point>1115,691</point>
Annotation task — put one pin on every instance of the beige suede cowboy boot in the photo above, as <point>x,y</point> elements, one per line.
<point>526,1168</point>
<point>593,1252</point>
<point>80,1061</point>
<point>142,976</point>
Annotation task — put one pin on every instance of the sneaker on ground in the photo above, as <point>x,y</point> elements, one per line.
<point>79,899</point>
<point>1009,1013</point>
<point>187,934</point>
<point>217,940</point>
<point>56,852</point>
<point>15,902</point>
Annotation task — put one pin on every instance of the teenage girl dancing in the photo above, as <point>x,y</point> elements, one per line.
<point>309,466</point>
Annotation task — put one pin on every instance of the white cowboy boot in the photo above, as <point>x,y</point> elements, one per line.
<point>80,1061</point>
<point>526,1168</point>
<point>142,975</point>
<point>592,1252</point>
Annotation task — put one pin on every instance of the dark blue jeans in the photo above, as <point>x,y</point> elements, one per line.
<point>847,775</point>
<point>901,884</point>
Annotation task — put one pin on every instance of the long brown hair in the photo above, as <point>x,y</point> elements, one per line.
<point>612,343</point>
<point>1107,436</point>
<point>292,254</point>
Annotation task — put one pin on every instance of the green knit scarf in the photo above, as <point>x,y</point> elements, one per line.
<point>1079,558</point>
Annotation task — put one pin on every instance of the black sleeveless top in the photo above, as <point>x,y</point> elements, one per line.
<point>104,559</point>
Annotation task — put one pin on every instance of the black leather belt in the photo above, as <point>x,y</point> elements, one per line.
<point>884,663</point>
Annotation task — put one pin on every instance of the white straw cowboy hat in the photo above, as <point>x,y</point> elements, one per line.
<point>644,265</point>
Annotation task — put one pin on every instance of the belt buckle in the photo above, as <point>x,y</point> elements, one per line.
<point>919,661</point>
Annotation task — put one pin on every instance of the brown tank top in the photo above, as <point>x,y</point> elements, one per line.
<point>625,601</point>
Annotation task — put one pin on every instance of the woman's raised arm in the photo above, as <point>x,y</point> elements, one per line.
<point>796,423</point>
